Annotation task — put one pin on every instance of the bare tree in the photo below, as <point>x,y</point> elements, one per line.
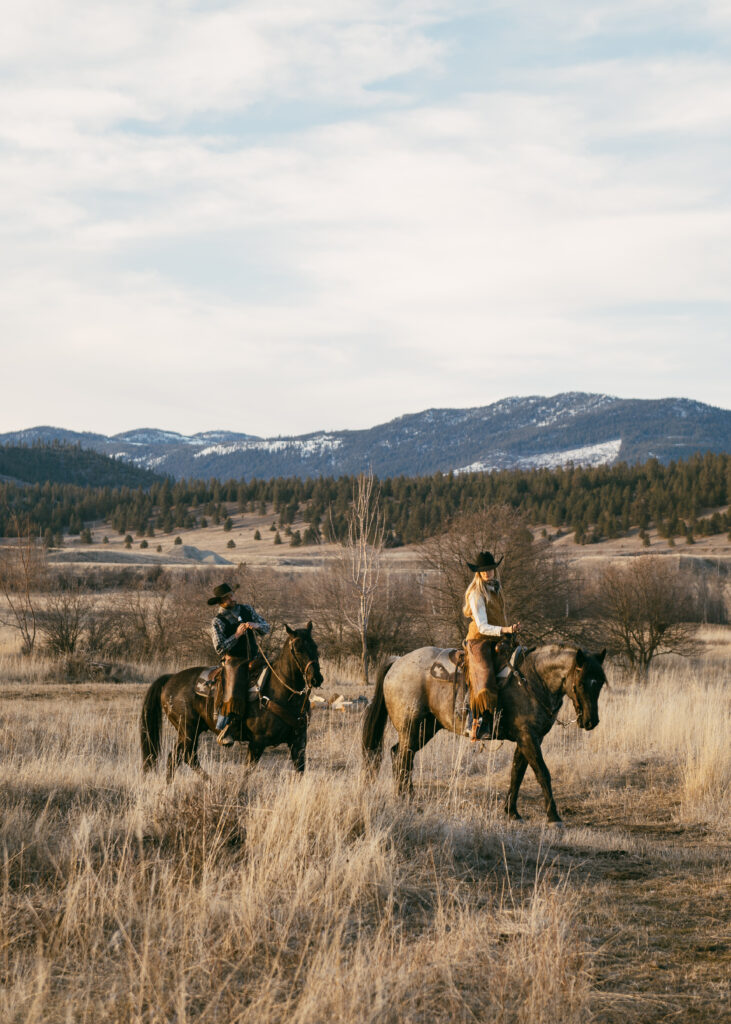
<point>363,550</point>
<point>642,609</point>
<point>65,616</point>
<point>535,584</point>
<point>23,572</point>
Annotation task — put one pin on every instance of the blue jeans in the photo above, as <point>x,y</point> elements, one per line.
<point>222,721</point>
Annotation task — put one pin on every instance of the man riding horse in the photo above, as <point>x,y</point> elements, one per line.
<point>234,631</point>
<point>485,607</point>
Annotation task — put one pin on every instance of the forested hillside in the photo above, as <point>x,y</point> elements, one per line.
<point>58,462</point>
<point>598,503</point>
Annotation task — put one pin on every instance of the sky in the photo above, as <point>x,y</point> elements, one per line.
<point>284,217</point>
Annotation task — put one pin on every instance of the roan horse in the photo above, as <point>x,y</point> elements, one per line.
<point>419,705</point>
<point>279,715</point>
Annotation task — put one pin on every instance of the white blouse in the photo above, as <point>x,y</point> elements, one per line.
<point>479,614</point>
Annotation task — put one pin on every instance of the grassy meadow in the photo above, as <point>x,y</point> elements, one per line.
<point>269,897</point>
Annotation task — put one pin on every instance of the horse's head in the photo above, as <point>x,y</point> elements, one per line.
<point>584,685</point>
<point>304,654</point>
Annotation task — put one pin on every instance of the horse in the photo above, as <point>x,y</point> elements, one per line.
<point>419,705</point>
<point>279,715</point>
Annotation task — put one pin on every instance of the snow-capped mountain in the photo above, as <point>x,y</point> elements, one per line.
<point>585,429</point>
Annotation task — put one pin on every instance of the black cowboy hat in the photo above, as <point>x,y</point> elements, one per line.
<point>220,592</point>
<point>485,560</point>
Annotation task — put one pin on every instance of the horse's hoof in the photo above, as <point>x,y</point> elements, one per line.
<point>556,823</point>
<point>515,817</point>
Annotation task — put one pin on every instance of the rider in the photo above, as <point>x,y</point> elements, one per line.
<point>234,632</point>
<point>484,605</point>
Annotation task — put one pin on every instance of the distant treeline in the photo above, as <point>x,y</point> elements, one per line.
<point>597,503</point>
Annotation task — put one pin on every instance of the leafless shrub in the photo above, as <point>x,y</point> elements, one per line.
<point>396,621</point>
<point>65,615</point>
<point>23,572</point>
<point>641,610</point>
<point>535,583</point>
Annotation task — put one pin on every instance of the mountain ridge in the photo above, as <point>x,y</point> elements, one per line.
<point>519,431</point>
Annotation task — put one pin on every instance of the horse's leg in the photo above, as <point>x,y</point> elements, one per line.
<point>297,750</point>
<point>190,752</point>
<point>516,777</point>
<point>410,743</point>
<point>253,753</point>
<point>403,762</point>
<point>532,752</point>
<point>175,757</point>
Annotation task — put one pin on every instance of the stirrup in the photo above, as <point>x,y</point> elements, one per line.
<point>223,738</point>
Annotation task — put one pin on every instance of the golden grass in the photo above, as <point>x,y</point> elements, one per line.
<point>268,897</point>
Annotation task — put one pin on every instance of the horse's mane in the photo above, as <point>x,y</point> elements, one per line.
<point>550,654</point>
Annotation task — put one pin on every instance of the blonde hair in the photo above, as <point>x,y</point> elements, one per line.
<point>477,584</point>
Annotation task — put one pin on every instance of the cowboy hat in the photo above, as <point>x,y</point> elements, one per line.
<point>220,592</point>
<point>485,560</point>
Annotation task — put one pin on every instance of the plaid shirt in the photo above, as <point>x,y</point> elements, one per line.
<point>225,624</point>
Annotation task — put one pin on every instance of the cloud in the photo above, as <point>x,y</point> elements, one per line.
<point>568,228</point>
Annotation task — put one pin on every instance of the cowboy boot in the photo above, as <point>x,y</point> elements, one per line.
<point>223,737</point>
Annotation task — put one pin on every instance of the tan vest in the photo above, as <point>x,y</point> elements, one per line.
<point>495,615</point>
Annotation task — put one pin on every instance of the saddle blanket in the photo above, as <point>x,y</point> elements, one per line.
<point>206,681</point>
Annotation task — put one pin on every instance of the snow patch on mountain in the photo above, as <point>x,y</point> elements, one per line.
<point>589,455</point>
<point>315,445</point>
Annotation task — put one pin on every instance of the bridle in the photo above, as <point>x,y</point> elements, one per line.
<point>280,710</point>
<point>303,671</point>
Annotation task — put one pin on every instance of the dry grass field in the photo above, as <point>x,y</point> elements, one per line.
<point>269,897</point>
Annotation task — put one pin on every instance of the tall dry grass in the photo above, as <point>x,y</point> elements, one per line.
<point>268,897</point>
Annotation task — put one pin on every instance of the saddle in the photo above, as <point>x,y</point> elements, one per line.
<point>452,664</point>
<point>210,681</point>
<point>207,680</point>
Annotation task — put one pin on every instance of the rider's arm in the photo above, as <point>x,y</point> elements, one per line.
<point>259,624</point>
<point>252,618</point>
<point>221,642</point>
<point>479,614</point>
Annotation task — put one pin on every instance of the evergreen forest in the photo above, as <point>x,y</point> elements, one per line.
<point>71,488</point>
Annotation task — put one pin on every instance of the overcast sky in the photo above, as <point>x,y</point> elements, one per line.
<point>282,216</point>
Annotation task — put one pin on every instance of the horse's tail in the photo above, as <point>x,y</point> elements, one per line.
<point>151,723</point>
<point>375,720</point>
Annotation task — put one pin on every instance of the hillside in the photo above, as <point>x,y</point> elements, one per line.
<point>64,463</point>
<point>516,433</point>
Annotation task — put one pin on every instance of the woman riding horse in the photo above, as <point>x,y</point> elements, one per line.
<point>485,607</point>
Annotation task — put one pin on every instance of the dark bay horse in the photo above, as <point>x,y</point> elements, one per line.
<point>419,705</point>
<point>279,716</point>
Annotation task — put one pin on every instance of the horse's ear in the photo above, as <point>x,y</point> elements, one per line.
<point>309,626</point>
<point>291,632</point>
<point>580,658</point>
<point>601,656</point>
